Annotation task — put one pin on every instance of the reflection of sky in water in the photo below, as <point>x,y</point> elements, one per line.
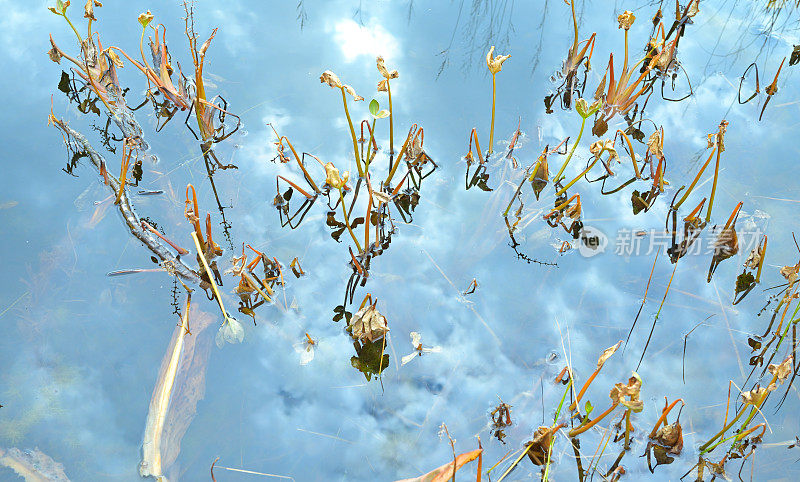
<point>80,352</point>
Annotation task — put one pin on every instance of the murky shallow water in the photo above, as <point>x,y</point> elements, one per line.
<point>81,351</point>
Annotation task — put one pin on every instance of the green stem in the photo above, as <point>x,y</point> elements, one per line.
<point>80,40</point>
<point>571,152</point>
<point>491,131</point>
<point>563,189</point>
<point>625,62</point>
<point>391,120</point>
<point>705,447</point>
<point>347,221</point>
<point>352,134</point>
<point>555,419</point>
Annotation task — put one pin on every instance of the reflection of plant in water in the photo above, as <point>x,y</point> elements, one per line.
<point>95,78</point>
<point>367,206</point>
<point>745,282</point>
<point>576,56</point>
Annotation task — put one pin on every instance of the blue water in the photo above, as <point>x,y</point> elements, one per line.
<point>80,351</point>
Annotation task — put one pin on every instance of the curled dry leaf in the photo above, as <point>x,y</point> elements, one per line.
<point>495,63</point>
<point>655,145</point>
<point>540,175</point>
<point>368,324</point>
<point>54,53</point>
<point>380,197</point>
<point>145,18</point>
<point>332,177</point>
<point>782,370</point>
<point>585,109</point>
<point>332,80</point>
<point>540,445</point>
<point>88,9</point>
<point>384,71</point>
<point>726,244</point>
<point>352,92</point>
<point>626,19</point>
<point>445,472</point>
<point>718,138</point>
<point>112,55</point>
<point>607,354</point>
<point>790,273</point>
<point>598,147</point>
<point>755,396</point>
<point>753,260</point>
<point>628,394</point>
<point>671,436</point>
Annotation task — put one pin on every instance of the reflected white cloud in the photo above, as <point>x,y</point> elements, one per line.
<point>370,40</point>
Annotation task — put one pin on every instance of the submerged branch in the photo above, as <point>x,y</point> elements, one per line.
<point>168,259</point>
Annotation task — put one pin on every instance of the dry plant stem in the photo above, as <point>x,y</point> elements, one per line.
<point>352,134</point>
<point>369,213</point>
<point>762,252</point>
<point>574,27</point>
<point>713,188</point>
<point>585,386</point>
<point>159,405</point>
<point>252,282</point>
<point>628,426</point>
<point>370,151</point>
<point>571,152</point>
<point>302,167</point>
<point>123,175</point>
<point>347,222</point>
<point>633,155</point>
<point>299,189</point>
<point>210,276</point>
<point>658,313</point>
<point>644,299</point>
<point>579,430</point>
<point>695,211</point>
<point>164,238</point>
<point>735,213</point>
<point>663,417</point>
<point>533,168</point>
<point>399,156</point>
<point>128,214</point>
<point>696,178</point>
<point>750,430</point>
